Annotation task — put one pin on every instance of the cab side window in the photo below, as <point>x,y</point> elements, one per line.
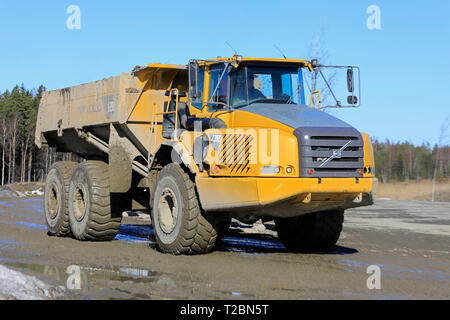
<point>220,95</point>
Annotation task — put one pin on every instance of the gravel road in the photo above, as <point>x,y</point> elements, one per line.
<point>409,241</point>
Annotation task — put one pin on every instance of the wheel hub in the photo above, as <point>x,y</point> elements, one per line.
<point>167,211</point>
<point>52,201</point>
<point>79,202</point>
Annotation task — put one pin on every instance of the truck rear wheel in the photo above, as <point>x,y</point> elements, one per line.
<point>91,214</point>
<point>56,197</point>
<point>312,232</point>
<point>179,224</point>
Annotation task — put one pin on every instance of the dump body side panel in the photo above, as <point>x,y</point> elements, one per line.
<point>96,103</point>
<point>126,99</point>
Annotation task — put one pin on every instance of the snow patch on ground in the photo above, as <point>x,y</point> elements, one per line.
<point>32,193</point>
<point>7,192</point>
<point>15,285</point>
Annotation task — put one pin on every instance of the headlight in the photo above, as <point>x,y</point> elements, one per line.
<point>270,170</point>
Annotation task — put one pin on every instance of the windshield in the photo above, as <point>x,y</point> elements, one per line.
<point>265,85</point>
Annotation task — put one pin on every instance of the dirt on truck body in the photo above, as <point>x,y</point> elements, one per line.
<point>197,145</point>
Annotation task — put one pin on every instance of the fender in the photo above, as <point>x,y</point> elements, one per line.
<point>178,154</point>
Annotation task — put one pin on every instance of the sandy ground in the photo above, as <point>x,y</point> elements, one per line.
<point>408,240</point>
<point>415,190</point>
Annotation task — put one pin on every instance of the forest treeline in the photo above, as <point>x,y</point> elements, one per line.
<point>404,161</point>
<point>22,161</point>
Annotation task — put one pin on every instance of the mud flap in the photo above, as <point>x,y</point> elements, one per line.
<point>119,170</point>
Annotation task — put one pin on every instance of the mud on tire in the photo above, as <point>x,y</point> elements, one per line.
<point>312,232</point>
<point>91,213</point>
<point>56,196</point>
<point>179,224</point>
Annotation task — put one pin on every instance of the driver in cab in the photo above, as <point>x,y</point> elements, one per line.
<point>245,85</point>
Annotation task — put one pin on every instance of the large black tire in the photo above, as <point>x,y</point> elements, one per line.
<point>313,232</point>
<point>92,214</point>
<point>179,224</point>
<point>56,195</point>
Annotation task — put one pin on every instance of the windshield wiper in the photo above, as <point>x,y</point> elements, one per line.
<point>259,101</point>
<point>241,106</point>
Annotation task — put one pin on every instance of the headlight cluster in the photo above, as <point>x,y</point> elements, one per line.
<point>270,170</point>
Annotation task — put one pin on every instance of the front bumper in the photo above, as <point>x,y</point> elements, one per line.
<point>284,197</point>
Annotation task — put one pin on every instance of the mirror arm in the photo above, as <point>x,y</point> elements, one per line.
<point>329,88</point>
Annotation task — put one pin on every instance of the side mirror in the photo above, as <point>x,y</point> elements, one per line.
<point>350,86</point>
<point>193,70</point>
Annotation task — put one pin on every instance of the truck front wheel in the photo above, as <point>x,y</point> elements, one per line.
<point>179,224</point>
<point>312,232</point>
<point>91,213</point>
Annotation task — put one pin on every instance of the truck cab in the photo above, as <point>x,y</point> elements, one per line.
<point>274,155</point>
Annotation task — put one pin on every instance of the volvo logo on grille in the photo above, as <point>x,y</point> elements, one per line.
<point>337,153</point>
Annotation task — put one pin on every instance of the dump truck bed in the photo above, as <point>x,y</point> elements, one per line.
<point>92,104</point>
<point>89,119</point>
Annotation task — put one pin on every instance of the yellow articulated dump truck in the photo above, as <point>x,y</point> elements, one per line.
<point>199,144</point>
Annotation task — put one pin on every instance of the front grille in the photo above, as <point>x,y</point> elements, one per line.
<point>235,152</point>
<point>317,145</point>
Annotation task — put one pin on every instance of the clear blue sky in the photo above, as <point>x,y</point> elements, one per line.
<point>405,65</point>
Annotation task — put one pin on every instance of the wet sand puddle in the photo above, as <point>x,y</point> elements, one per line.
<point>93,282</point>
<point>397,271</point>
<point>115,282</point>
<point>8,244</point>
